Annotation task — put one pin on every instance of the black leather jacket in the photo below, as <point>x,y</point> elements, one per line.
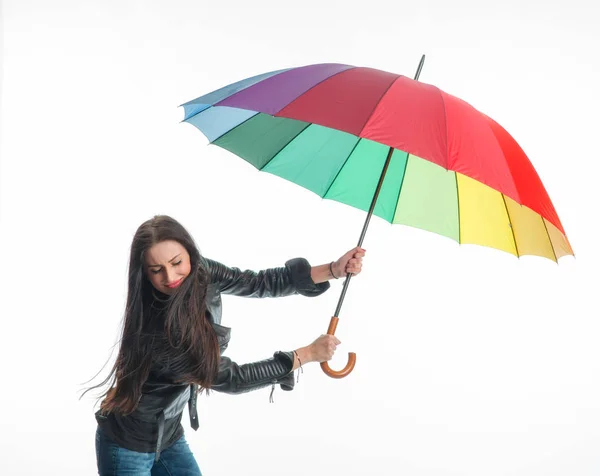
<point>163,401</point>
<point>294,278</point>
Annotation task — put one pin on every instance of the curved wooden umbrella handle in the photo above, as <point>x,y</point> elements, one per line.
<point>351,356</point>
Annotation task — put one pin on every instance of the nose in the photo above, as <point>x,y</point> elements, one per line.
<point>171,276</point>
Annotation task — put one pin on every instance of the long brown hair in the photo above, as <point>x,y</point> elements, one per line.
<point>179,332</point>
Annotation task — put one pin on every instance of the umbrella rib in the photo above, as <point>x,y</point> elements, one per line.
<point>286,144</point>
<point>233,128</point>
<point>447,166</point>
<point>400,188</point>
<point>520,201</point>
<point>340,169</point>
<point>312,87</point>
<point>268,75</point>
<point>549,239</point>
<point>377,104</point>
<point>512,228</point>
<point>457,206</point>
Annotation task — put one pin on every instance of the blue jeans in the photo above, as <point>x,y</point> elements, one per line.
<point>114,460</point>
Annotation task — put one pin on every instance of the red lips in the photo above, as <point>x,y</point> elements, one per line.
<point>175,284</point>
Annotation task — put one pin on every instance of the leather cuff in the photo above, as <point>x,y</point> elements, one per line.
<point>286,382</point>
<point>299,269</point>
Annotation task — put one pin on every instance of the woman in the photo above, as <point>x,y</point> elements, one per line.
<point>172,343</point>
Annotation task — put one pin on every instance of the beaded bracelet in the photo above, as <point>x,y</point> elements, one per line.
<point>298,357</point>
<point>331,270</point>
<point>300,369</point>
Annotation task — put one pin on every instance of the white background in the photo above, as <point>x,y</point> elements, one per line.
<point>470,361</point>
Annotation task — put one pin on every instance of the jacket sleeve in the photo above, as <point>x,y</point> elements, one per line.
<point>293,278</point>
<point>235,379</point>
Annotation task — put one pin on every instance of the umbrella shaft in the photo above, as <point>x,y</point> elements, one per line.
<point>375,196</point>
<point>365,226</point>
<point>377,190</point>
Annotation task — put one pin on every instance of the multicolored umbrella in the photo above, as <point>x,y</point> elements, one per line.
<point>390,145</point>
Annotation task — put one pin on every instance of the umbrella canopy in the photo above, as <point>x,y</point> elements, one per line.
<point>328,127</point>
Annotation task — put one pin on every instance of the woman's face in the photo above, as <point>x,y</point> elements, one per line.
<point>167,264</point>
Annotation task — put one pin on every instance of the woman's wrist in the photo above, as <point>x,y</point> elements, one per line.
<point>302,356</point>
<point>325,272</point>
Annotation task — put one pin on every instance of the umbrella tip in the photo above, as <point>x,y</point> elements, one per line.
<point>420,67</point>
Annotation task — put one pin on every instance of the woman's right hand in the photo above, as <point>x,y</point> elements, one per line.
<point>321,350</point>
<point>324,347</point>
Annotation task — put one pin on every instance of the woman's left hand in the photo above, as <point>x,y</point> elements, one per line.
<point>349,263</point>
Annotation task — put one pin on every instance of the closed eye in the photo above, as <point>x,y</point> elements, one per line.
<point>159,269</point>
